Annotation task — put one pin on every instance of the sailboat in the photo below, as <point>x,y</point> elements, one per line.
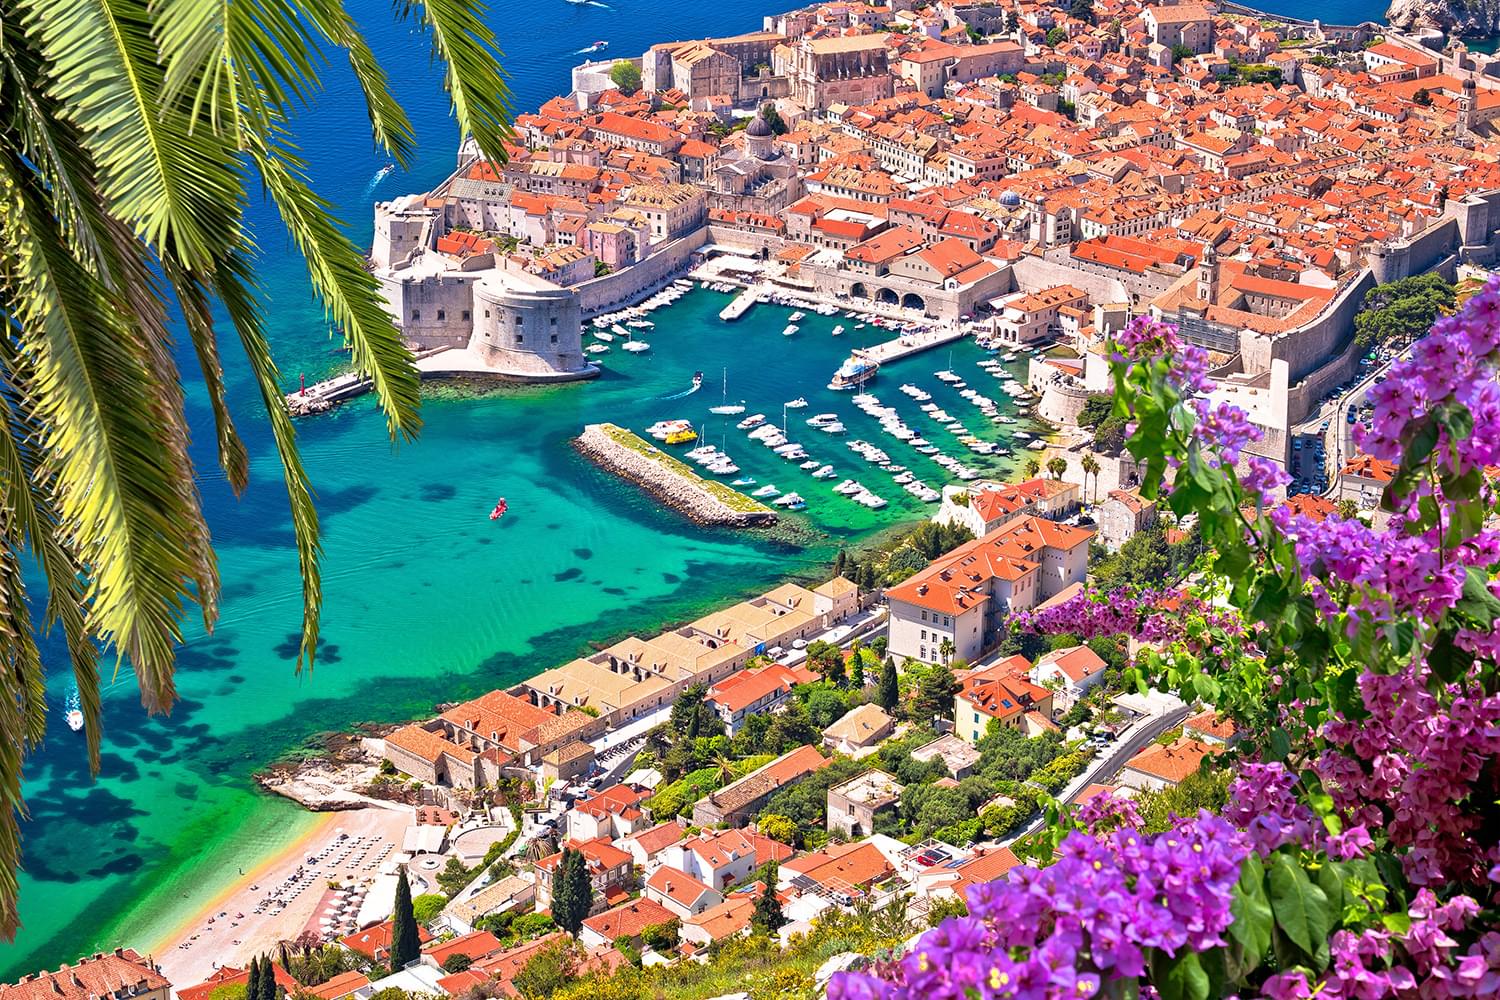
<point>727,407</point>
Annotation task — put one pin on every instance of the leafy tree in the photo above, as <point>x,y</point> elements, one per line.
<point>136,135</point>
<point>839,562</point>
<point>791,729</point>
<point>1012,22</point>
<point>1400,311</point>
<point>1032,468</point>
<point>229,991</point>
<point>391,993</point>
<point>663,936</point>
<point>692,716</point>
<point>1423,96</point>
<point>806,801</point>
<point>457,963</point>
<point>1056,37</point>
<point>1181,52</point>
<point>1096,408</point>
<point>1056,466</point>
<point>548,970</point>
<point>826,659</point>
<point>857,666</point>
<point>572,892</point>
<point>944,907</point>
<point>1082,10</point>
<point>405,944</point>
<point>1203,789</point>
<point>1347,509</point>
<point>427,906</point>
<point>1109,435</point>
<point>888,696</point>
<point>825,704</point>
<point>626,76</point>
<point>777,827</point>
<point>935,694</point>
<point>767,917</point>
<point>773,118</point>
<point>454,877</point>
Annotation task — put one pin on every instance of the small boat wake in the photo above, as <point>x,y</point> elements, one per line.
<point>73,714</point>
<point>697,384</point>
<point>380,175</point>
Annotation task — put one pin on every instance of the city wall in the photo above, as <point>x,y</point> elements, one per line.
<point>615,291</point>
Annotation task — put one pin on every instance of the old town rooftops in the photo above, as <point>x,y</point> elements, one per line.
<point>958,581</point>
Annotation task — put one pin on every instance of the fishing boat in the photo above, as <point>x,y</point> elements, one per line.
<point>73,715</point>
<point>500,508</point>
<point>727,408</point>
<point>697,380</point>
<point>858,369</point>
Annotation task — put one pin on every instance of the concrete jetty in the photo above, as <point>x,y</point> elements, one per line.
<point>908,344</point>
<point>636,460</point>
<point>741,304</point>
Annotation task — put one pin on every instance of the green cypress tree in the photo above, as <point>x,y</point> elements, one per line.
<point>889,694</point>
<point>768,918</point>
<point>405,946</point>
<point>572,892</point>
<point>267,979</point>
<point>252,985</point>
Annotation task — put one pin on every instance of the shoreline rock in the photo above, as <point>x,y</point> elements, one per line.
<point>685,494</point>
<point>1455,18</point>
<point>327,777</point>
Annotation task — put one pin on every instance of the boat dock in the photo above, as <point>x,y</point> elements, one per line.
<point>741,304</point>
<point>320,397</point>
<point>908,344</point>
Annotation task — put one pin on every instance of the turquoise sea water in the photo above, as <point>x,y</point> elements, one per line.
<point>426,599</point>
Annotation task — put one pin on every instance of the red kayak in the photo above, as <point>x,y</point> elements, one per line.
<point>499,510</point>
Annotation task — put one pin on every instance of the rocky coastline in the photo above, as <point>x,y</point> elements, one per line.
<point>331,773</point>
<point>668,481</point>
<point>1454,18</point>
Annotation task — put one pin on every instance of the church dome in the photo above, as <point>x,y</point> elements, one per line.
<point>759,128</point>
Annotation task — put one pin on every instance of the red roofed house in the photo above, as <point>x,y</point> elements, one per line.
<point>737,801</point>
<point>479,944</point>
<point>997,693</point>
<point>375,942</point>
<point>627,920</point>
<point>612,813</point>
<point>609,868</point>
<point>430,757</point>
<point>844,871</point>
<point>680,892</point>
<point>1068,673</point>
<point>985,507</point>
<point>1160,767</point>
<point>645,847</point>
<point>342,985</point>
<point>229,975</point>
<point>724,858</point>
<point>957,606</point>
<point>729,918</point>
<point>1211,727</point>
<point>751,692</point>
<point>1363,479</point>
<point>1121,515</point>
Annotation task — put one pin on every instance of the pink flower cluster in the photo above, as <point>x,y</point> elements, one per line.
<point>1424,963</point>
<point>1411,768</point>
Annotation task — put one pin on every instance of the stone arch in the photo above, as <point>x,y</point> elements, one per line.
<point>859,291</point>
<point>911,300</point>
<point>887,296</point>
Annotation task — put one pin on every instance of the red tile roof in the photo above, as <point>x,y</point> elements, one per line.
<point>373,942</point>
<point>628,920</point>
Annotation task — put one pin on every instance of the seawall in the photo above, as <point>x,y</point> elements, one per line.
<point>673,484</point>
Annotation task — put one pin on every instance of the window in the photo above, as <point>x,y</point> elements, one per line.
<point>520,339</point>
<point>554,320</point>
<point>924,616</point>
<point>416,314</point>
<point>921,652</point>
<point>466,314</point>
<point>486,314</point>
<point>554,338</point>
<point>924,635</point>
<point>520,321</point>
<point>442,314</point>
<point>947,620</point>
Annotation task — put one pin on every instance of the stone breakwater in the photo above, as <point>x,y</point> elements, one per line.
<point>673,484</point>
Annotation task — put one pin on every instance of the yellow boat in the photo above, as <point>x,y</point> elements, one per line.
<point>682,436</point>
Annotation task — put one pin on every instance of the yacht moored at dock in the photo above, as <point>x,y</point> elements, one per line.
<point>858,369</point>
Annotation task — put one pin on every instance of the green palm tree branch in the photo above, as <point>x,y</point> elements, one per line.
<point>30,495</point>
<point>13,748</point>
<point>197,316</point>
<point>37,126</point>
<point>388,121</point>
<point>481,99</point>
<point>232,286</point>
<point>233,57</point>
<point>350,293</point>
<point>177,188</point>
<point>114,447</point>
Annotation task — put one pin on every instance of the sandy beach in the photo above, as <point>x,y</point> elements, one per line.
<point>229,931</point>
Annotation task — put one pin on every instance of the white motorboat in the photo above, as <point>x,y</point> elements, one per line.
<point>809,465</point>
<point>823,472</point>
<point>847,488</point>
<point>836,427</point>
<point>790,329</point>
<point>744,481</point>
<point>596,349</point>
<point>838,330</point>
<point>768,490</point>
<point>754,420</point>
<point>797,316</point>
<point>797,403</point>
<point>635,346</point>
<point>603,335</point>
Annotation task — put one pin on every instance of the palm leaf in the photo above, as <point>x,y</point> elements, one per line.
<point>473,77</point>
<point>198,317</point>
<point>350,293</point>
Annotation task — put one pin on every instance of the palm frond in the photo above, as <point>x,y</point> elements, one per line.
<point>388,121</point>
<point>350,293</point>
<point>197,315</point>
<point>118,495</point>
<point>231,284</point>
<point>467,47</point>
<point>178,189</point>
